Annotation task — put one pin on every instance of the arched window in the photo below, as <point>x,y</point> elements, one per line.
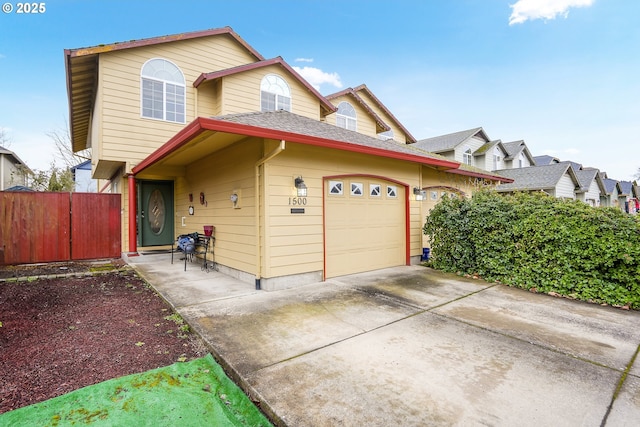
<point>162,91</point>
<point>467,156</point>
<point>346,116</point>
<point>274,94</point>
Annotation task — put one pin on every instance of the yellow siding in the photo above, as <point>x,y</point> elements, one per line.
<point>217,176</point>
<point>128,137</point>
<point>241,93</point>
<point>295,241</point>
<point>209,99</point>
<point>365,123</point>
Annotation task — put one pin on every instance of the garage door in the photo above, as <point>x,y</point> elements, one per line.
<point>365,225</point>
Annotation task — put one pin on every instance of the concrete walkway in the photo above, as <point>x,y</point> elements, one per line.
<point>413,347</point>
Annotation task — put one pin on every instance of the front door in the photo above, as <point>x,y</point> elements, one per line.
<point>155,213</point>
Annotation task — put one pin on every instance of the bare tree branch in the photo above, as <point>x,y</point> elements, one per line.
<point>62,140</point>
<point>5,141</point>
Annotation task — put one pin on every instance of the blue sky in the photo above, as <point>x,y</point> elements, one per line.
<point>562,75</point>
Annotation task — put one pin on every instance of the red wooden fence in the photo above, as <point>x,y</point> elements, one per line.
<point>45,227</point>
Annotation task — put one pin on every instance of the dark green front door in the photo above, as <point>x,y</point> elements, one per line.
<point>155,213</point>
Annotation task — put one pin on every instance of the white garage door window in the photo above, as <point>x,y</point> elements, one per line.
<point>365,225</point>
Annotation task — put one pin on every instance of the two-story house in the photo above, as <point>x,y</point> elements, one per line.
<point>199,129</point>
<point>14,172</point>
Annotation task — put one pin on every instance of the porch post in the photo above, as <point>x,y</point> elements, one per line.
<point>133,241</point>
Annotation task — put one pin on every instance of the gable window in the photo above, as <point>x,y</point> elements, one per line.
<point>386,135</point>
<point>162,91</point>
<point>274,94</point>
<point>521,161</point>
<point>467,156</point>
<point>496,159</point>
<point>346,116</point>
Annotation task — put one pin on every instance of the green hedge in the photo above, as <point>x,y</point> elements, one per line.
<point>537,242</point>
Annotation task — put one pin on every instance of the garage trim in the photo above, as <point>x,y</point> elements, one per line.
<point>368,176</point>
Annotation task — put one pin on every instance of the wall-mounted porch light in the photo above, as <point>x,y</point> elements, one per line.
<point>301,188</point>
<point>420,194</point>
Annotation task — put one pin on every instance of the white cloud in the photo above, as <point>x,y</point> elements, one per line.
<point>304,60</point>
<point>524,10</point>
<point>317,77</point>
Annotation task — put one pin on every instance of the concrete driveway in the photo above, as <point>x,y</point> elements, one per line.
<point>412,346</point>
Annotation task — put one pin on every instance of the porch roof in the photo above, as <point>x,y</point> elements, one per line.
<point>186,146</point>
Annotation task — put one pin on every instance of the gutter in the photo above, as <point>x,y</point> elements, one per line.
<point>279,149</point>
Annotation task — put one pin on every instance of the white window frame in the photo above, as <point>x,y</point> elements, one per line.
<point>375,190</point>
<point>496,158</point>
<point>392,191</point>
<point>275,94</point>
<point>467,157</point>
<point>334,184</point>
<point>171,80</point>
<point>346,116</point>
<point>357,189</point>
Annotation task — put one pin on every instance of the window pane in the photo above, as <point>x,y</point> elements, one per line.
<point>152,99</point>
<point>284,103</point>
<point>267,101</point>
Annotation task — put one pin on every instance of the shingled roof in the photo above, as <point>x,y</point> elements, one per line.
<point>535,177</point>
<point>586,176</point>
<point>443,143</point>
<point>290,122</point>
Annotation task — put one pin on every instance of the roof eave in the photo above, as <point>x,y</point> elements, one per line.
<point>202,124</point>
<point>410,138</point>
<point>488,176</point>
<point>164,39</point>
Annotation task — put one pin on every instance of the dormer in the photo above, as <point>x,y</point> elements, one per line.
<point>267,85</point>
<point>360,110</point>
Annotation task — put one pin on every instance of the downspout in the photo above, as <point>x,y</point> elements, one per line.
<point>279,149</point>
<point>133,243</point>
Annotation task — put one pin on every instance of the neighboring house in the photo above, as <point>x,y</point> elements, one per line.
<point>518,155</point>
<point>13,171</point>
<point>458,146</point>
<point>489,156</point>
<point>473,147</point>
<point>557,180</point>
<point>591,186</point>
<point>628,198</point>
<point>545,160</point>
<point>611,192</point>
<point>82,178</point>
<point>199,129</point>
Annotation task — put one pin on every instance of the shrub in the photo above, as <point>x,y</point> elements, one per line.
<point>538,242</point>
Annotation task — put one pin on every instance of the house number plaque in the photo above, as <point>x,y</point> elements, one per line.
<point>297,201</point>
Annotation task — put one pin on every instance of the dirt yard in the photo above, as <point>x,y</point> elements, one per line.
<point>61,334</point>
